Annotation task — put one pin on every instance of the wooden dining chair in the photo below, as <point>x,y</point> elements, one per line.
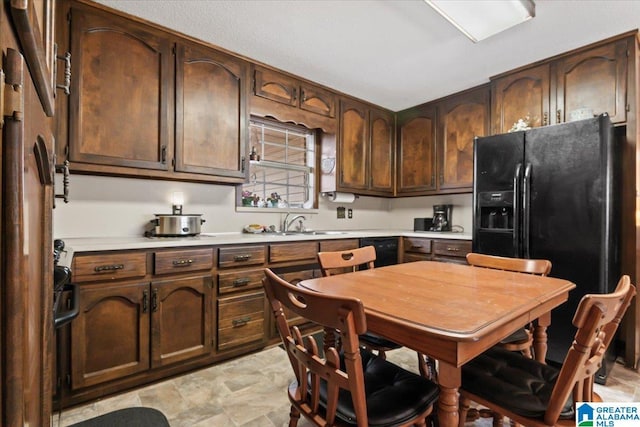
<point>350,387</point>
<point>538,395</point>
<point>338,262</point>
<point>522,339</point>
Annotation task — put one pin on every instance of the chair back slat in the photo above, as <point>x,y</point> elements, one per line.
<point>597,319</point>
<point>343,315</point>
<point>540,267</point>
<point>341,261</point>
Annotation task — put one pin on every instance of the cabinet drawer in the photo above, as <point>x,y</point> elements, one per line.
<point>293,251</point>
<point>240,280</point>
<point>108,267</point>
<point>416,245</point>
<point>240,320</point>
<point>183,260</point>
<point>455,248</point>
<point>338,245</point>
<point>238,256</point>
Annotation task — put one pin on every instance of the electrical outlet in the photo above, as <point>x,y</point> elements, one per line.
<point>349,213</point>
<point>340,212</point>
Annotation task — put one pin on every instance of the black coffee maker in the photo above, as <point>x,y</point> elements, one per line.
<point>442,217</point>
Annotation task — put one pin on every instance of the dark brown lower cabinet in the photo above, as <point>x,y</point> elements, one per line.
<point>130,327</point>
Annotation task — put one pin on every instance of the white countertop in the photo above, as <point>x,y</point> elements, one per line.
<point>91,244</point>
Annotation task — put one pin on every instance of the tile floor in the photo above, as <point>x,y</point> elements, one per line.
<point>251,392</point>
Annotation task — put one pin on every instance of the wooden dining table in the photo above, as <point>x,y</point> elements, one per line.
<point>449,312</point>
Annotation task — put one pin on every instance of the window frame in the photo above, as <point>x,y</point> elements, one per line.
<point>314,171</point>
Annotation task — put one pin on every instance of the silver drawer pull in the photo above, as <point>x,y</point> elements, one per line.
<point>416,246</point>
<point>182,262</point>
<point>240,322</point>
<point>453,249</point>
<point>241,282</point>
<point>240,258</point>
<point>112,267</point>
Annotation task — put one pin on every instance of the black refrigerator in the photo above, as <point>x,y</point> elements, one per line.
<point>553,193</point>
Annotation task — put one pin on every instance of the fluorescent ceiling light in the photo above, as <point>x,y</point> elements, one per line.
<point>481,19</point>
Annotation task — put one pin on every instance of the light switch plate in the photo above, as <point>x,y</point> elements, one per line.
<point>349,213</point>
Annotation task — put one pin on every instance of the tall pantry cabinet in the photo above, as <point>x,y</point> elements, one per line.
<point>26,267</point>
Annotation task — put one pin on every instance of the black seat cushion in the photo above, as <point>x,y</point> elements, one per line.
<point>128,417</point>
<point>374,340</point>
<point>513,381</point>
<point>393,394</point>
<point>519,335</point>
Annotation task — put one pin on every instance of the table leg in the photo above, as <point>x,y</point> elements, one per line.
<point>449,379</point>
<point>540,337</point>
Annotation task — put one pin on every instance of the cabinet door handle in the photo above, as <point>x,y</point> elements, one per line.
<point>244,281</point>
<point>241,321</point>
<point>545,119</point>
<point>112,267</point>
<point>303,96</point>
<point>64,168</point>
<point>242,258</point>
<point>145,301</point>
<point>163,154</point>
<point>66,86</point>
<point>559,116</point>
<point>154,301</point>
<point>182,262</point>
<point>294,94</point>
<point>416,246</point>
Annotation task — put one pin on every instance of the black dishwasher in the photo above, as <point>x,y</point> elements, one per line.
<point>386,249</point>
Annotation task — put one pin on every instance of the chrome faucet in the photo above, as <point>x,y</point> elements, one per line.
<point>287,224</point>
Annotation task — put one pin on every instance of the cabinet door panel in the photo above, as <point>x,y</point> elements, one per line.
<point>353,145</point>
<point>318,101</point>
<point>121,79</point>
<point>181,319</point>
<point>276,87</point>
<point>110,336</point>
<point>596,79</point>
<point>382,149</point>
<point>520,95</point>
<point>461,118</point>
<point>417,152</point>
<point>210,112</point>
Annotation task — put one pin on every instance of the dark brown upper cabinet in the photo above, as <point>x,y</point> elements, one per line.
<point>147,103</point>
<point>595,79</point>
<point>290,91</point>
<point>120,93</point>
<point>435,152</point>
<point>366,146</point>
<point>211,111</point>
<point>417,150</point>
<point>591,81</point>
<point>520,95</point>
<point>460,119</point>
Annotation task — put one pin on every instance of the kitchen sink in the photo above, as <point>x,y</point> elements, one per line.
<point>308,233</point>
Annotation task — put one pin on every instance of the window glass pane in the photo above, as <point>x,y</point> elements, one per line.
<point>281,167</point>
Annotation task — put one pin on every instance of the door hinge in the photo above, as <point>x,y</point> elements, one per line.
<point>628,107</point>
<point>11,100</point>
<point>68,378</point>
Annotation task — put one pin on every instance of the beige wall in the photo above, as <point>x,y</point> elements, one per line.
<point>110,206</point>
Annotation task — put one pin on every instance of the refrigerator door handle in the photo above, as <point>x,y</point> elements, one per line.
<point>526,210</point>
<point>517,175</point>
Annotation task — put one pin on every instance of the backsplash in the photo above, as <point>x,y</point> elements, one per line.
<point>113,207</point>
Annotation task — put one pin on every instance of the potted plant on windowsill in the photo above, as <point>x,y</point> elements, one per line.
<point>273,200</point>
<point>249,199</point>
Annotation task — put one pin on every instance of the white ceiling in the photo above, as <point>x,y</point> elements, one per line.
<point>396,54</point>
